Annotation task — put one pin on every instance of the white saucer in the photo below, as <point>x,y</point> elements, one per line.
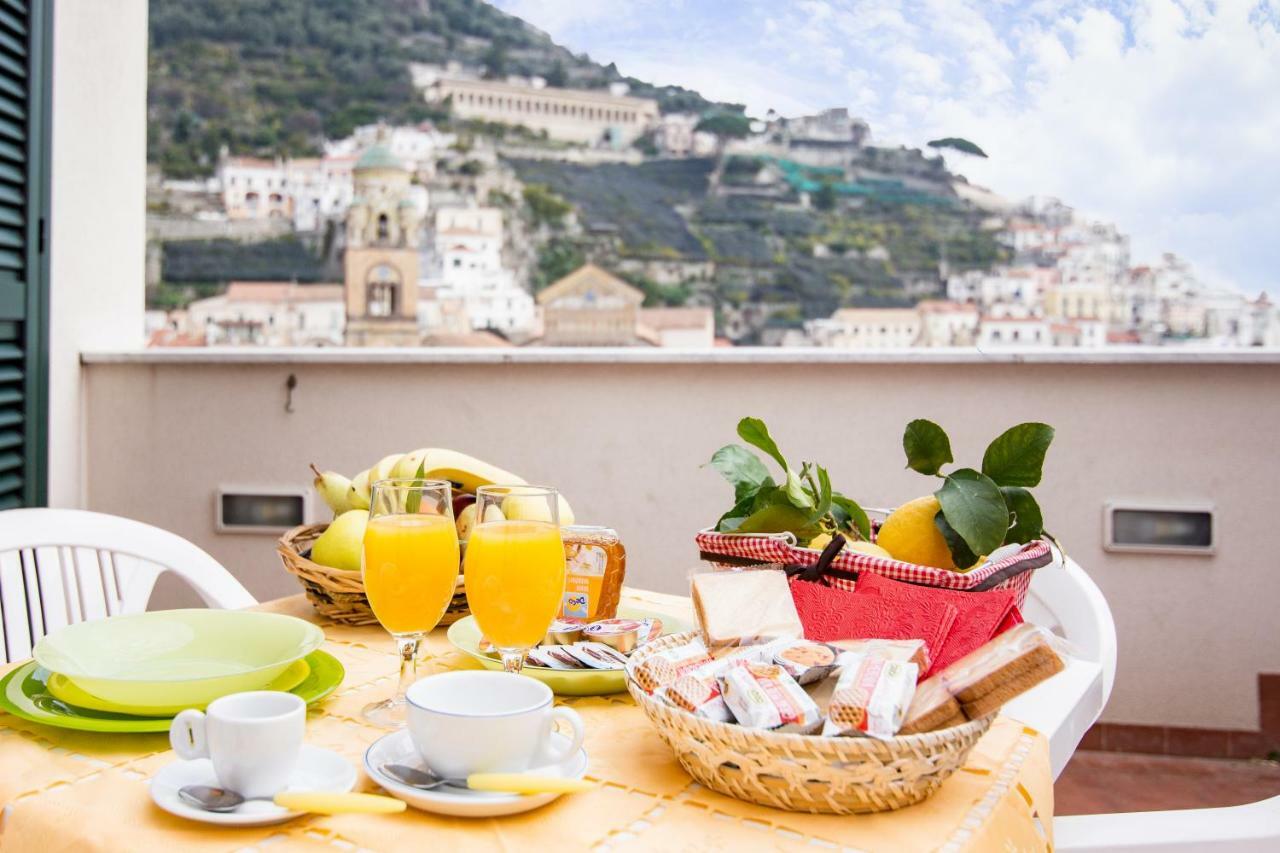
<point>318,770</point>
<point>398,748</point>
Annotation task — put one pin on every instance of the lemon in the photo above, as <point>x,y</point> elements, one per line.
<point>871,549</point>
<point>909,534</point>
<point>820,541</point>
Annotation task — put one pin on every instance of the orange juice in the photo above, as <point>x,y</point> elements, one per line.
<point>515,580</point>
<point>410,568</point>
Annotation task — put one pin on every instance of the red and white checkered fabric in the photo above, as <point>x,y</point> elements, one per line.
<point>1013,572</point>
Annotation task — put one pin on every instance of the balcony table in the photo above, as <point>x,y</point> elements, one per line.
<point>75,790</point>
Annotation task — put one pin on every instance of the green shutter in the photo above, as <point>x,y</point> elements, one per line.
<point>24,301</point>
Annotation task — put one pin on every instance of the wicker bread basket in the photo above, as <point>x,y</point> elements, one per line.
<point>337,594</point>
<point>807,773</point>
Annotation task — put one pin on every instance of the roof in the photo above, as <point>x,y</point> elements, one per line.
<point>282,291</point>
<point>479,338</point>
<point>881,315</point>
<point>378,156</point>
<point>676,318</point>
<point>251,163</point>
<point>590,277</point>
<point>945,306</point>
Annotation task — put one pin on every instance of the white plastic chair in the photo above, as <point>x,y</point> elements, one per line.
<point>60,566</point>
<point>1063,597</point>
<point>1238,829</point>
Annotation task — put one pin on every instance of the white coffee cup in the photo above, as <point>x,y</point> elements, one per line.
<point>487,722</point>
<point>253,739</point>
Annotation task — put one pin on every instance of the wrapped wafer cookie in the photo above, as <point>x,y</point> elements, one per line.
<point>664,667</point>
<point>871,696</point>
<point>805,660</point>
<point>764,696</point>
<point>1005,667</point>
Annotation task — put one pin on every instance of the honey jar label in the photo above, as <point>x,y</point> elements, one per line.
<point>584,578</point>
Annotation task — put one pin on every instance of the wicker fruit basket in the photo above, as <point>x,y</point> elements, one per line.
<point>337,594</point>
<point>807,773</point>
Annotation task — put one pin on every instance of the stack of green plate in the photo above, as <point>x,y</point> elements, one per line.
<point>133,673</point>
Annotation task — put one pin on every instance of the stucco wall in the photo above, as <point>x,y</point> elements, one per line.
<point>97,234</point>
<point>625,442</point>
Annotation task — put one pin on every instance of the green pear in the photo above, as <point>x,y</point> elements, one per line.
<point>358,495</point>
<point>333,488</point>
<point>339,547</point>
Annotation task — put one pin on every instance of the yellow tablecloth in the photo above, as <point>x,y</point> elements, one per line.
<point>68,790</point>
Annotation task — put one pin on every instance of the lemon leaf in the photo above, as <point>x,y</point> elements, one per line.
<point>854,514</point>
<point>927,447</point>
<point>960,553</point>
<point>1028,522</point>
<point>974,507</point>
<point>1016,457</point>
<point>742,469</point>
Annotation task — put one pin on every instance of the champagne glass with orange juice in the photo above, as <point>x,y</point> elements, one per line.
<point>410,568</point>
<point>514,567</point>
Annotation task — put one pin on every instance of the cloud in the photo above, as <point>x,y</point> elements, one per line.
<point>1157,115</point>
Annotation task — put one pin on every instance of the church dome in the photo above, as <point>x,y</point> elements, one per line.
<point>378,156</point>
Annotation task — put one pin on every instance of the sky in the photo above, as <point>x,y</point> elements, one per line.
<point>1162,116</point>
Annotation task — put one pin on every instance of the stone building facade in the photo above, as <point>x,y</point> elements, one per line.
<point>381,259</point>
<point>571,115</point>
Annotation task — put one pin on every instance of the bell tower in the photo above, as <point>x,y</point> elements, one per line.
<point>381,260</point>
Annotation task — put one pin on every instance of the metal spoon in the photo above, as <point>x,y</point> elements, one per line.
<point>213,799</point>
<point>425,780</point>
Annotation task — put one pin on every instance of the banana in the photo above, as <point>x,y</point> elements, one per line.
<point>466,472</point>
<point>358,495</point>
<point>333,489</point>
<point>383,469</point>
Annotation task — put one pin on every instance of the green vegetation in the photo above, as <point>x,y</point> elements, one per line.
<point>203,261</point>
<point>546,207</point>
<point>557,258</point>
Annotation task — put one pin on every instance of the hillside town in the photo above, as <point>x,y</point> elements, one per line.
<point>440,242</point>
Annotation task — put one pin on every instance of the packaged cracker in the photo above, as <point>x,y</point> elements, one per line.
<point>764,696</point>
<point>746,607</point>
<point>806,661</point>
<point>554,657</point>
<point>664,667</point>
<point>871,696</point>
<point>595,565</point>
<point>932,708</point>
<point>910,651</point>
<point>1012,663</point>
<point>597,655</point>
<point>564,632</point>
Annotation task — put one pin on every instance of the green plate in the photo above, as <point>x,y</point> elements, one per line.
<point>24,694</point>
<point>177,657</point>
<point>70,693</point>
<point>465,635</point>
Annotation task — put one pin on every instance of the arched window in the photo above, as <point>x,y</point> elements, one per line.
<point>382,292</point>
<point>384,227</point>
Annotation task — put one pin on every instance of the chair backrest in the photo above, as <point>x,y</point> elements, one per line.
<point>60,566</point>
<point>1063,596</point>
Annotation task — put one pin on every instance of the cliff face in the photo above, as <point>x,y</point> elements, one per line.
<point>276,77</point>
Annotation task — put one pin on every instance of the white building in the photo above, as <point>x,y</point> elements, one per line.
<point>469,245</point>
<point>418,147</point>
<point>253,188</point>
<point>689,327</point>
<point>676,136</point>
<point>270,313</point>
<point>867,328</point>
<point>1014,331</point>
<point>1021,286</point>
<point>947,324</point>
<point>321,189</point>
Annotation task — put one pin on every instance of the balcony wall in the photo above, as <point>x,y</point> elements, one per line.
<point>624,436</point>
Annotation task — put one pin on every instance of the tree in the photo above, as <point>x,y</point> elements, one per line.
<point>959,144</point>
<point>547,207</point>
<point>557,75</point>
<point>825,197</point>
<point>556,259</point>
<point>495,60</point>
<point>724,126</point>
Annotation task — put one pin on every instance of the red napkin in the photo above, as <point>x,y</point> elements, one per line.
<point>829,614</point>
<point>980,615</point>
